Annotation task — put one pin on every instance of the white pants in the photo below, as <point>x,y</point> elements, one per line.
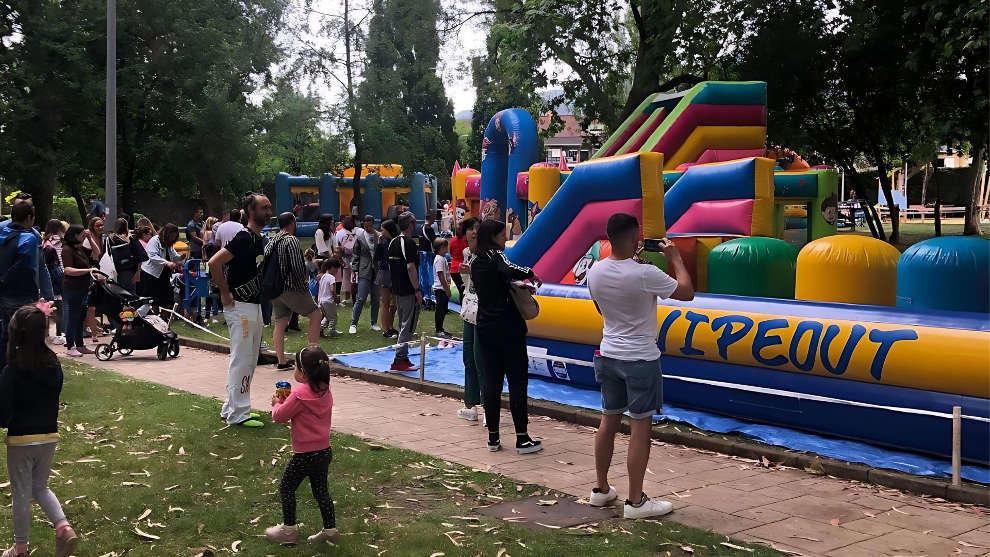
<point>245,325</point>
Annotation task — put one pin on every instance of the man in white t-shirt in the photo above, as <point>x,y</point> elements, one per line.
<point>228,229</point>
<point>627,364</point>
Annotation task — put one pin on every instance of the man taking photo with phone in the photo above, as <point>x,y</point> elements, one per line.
<point>627,366</point>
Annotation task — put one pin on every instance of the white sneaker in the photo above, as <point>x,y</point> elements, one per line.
<point>352,330</point>
<point>602,498</point>
<point>329,535</point>
<point>58,340</point>
<point>324,323</point>
<point>74,353</point>
<point>648,508</point>
<point>469,414</point>
<point>375,327</point>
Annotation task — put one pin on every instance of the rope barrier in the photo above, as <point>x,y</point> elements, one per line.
<point>196,325</point>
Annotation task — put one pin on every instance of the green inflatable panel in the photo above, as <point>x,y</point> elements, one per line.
<point>753,266</point>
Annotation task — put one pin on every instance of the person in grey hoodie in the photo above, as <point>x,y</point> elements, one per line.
<point>364,264</point>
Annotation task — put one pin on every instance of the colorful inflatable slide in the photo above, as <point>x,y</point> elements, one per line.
<point>836,334</point>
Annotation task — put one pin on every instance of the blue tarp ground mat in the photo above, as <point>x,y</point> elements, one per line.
<point>445,365</point>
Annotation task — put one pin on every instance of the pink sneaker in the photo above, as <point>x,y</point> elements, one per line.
<point>12,552</point>
<point>65,542</point>
<point>282,534</point>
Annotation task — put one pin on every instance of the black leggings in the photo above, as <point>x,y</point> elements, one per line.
<point>315,466</point>
<point>442,301</point>
<point>503,351</point>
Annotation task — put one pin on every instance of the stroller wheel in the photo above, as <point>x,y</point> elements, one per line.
<point>104,352</point>
<point>162,352</point>
<point>173,349</point>
<point>125,351</point>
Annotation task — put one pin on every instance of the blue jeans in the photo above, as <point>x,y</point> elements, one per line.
<point>365,287</point>
<point>74,306</point>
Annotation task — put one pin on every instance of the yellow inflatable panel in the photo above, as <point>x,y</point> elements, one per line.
<point>847,268</point>
<point>543,183</point>
<point>716,137</point>
<point>651,178</point>
<point>705,245</point>
<point>931,358</point>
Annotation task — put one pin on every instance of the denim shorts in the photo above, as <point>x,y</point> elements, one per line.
<point>630,385</point>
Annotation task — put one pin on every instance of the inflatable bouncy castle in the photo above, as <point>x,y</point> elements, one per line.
<point>793,324</point>
<point>310,196</point>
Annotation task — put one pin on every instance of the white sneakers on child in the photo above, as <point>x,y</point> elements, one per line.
<point>602,498</point>
<point>375,327</point>
<point>326,535</point>
<point>352,330</point>
<point>646,508</point>
<point>469,414</point>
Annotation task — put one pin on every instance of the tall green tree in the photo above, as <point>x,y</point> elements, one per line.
<point>293,136</point>
<point>507,75</point>
<point>950,58</point>
<point>50,95</point>
<point>408,117</point>
<point>185,69</point>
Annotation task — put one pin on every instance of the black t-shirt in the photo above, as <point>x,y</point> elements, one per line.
<point>242,271</point>
<point>427,234</point>
<point>397,261</point>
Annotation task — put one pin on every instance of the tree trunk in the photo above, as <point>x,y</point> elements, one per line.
<point>869,212</point>
<point>80,203</point>
<point>971,226</point>
<point>352,112</point>
<point>649,62</point>
<point>924,185</point>
<point>212,197</point>
<point>938,201</point>
<point>986,193</point>
<point>892,208</point>
<point>41,186</point>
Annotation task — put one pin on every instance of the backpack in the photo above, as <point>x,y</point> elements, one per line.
<point>272,281</point>
<point>9,256</point>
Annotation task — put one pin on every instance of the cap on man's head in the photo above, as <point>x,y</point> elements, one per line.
<point>286,219</point>
<point>368,218</point>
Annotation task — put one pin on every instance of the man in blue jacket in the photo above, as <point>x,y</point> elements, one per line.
<point>24,277</point>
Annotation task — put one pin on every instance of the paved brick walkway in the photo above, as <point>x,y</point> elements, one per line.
<point>789,509</point>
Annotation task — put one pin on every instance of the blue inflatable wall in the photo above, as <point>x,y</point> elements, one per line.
<point>947,273</point>
<point>510,146</point>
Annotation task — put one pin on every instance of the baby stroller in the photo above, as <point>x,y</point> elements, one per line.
<point>139,328</point>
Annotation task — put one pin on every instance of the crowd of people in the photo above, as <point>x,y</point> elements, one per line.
<point>257,279</point>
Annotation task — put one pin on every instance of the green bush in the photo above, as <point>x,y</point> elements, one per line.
<point>65,208</point>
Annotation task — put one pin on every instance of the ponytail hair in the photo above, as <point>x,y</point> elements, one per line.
<point>315,365</point>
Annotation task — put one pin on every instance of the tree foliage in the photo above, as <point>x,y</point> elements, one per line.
<point>409,119</point>
<point>185,70</point>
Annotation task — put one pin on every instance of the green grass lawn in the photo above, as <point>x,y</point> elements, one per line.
<point>364,339</point>
<point>144,470</point>
<point>914,232</point>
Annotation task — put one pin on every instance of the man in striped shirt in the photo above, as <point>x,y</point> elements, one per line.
<point>295,297</point>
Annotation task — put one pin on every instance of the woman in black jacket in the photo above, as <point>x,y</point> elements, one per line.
<point>501,335</point>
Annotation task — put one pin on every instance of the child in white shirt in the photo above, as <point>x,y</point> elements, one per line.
<point>328,297</point>
<point>441,284</point>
